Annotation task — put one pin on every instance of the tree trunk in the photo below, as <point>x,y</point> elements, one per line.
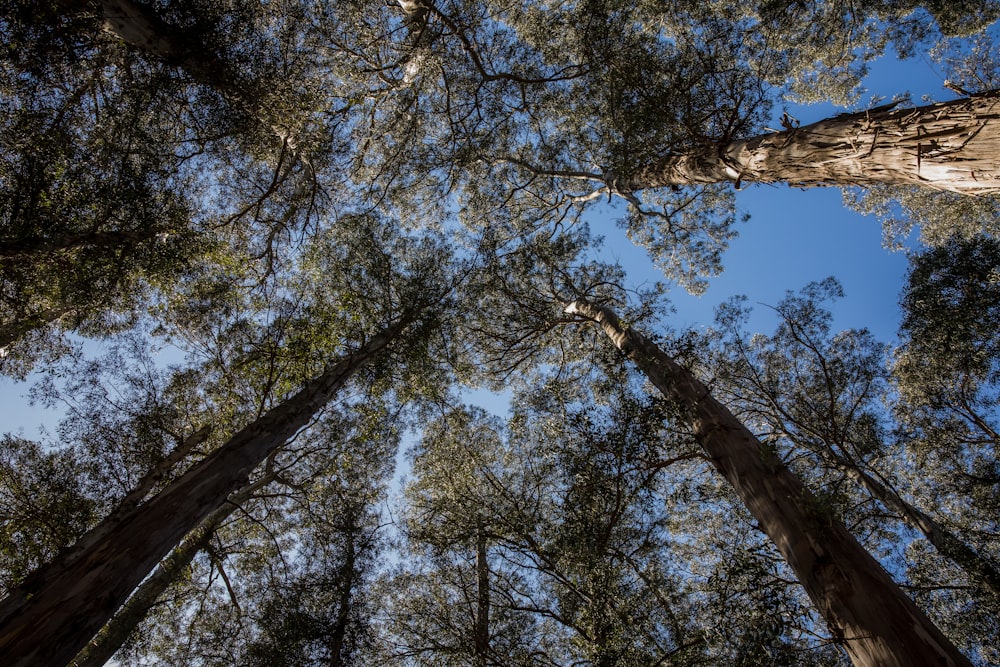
<point>158,472</point>
<point>26,248</point>
<point>140,26</point>
<point>482,638</point>
<point>348,578</point>
<point>980,570</point>
<point>952,146</point>
<point>113,635</point>
<point>865,611</point>
<point>62,605</point>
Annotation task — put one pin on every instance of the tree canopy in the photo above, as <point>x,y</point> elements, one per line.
<point>261,253</point>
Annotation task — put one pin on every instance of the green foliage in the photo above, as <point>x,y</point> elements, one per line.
<point>43,506</point>
<point>947,373</point>
<point>267,185</point>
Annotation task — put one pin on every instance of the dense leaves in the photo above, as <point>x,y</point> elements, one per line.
<point>232,196</point>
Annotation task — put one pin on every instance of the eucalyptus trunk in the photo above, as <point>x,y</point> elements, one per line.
<point>952,146</point>
<point>138,25</point>
<point>866,612</point>
<point>52,615</point>
<point>979,568</point>
<point>111,637</point>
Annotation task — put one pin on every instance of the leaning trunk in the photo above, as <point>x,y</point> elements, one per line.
<point>865,611</point>
<point>62,605</point>
<point>980,570</point>
<point>138,25</point>
<point>951,146</point>
<point>111,637</point>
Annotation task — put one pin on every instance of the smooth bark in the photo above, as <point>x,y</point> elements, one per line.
<point>111,637</point>
<point>51,616</point>
<point>138,25</point>
<point>952,146</point>
<point>866,612</point>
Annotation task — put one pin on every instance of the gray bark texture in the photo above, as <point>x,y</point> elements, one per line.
<point>52,615</point>
<point>867,614</point>
<point>952,146</point>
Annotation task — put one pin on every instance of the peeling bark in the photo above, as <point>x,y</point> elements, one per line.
<point>867,614</point>
<point>52,615</point>
<point>952,146</point>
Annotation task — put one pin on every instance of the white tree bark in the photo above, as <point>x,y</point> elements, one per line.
<point>952,146</point>
<point>867,614</point>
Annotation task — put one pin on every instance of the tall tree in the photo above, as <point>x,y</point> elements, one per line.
<point>117,630</point>
<point>369,286</point>
<point>945,372</point>
<point>83,588</point>
<point>124,172</point>
<point>809,389</point>
<point>884,628</point>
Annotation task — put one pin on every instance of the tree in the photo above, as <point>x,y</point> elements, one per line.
<point>279,146</point>
<point>948,146</point>
<point>945,372</point>
<point>84,231</point>
<point>285,581</point>
<point>114,634</point>
<point>449,604</point>
<point>373,280</point>
<point>811,390</point>
<point>82,589</point>
<point>123,174</point>
<point>43,506</point>
<point>885,628</point>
